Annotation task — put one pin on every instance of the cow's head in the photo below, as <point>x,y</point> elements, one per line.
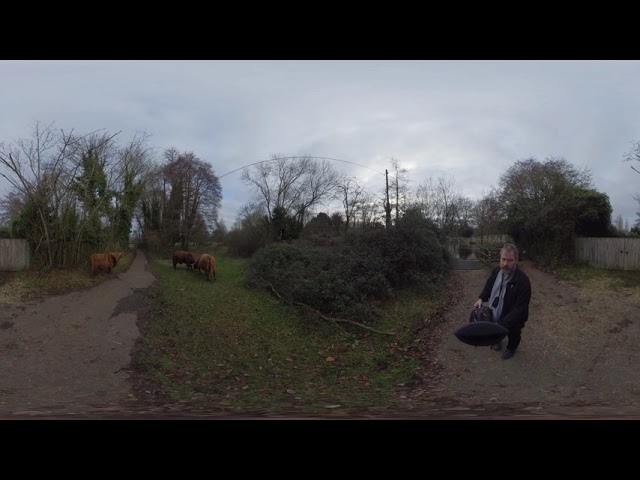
<point>116,256</point>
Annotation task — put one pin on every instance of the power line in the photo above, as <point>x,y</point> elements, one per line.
<point>296,158</point>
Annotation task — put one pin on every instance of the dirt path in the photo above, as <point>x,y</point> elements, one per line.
<point>579,354</point>
<point>70,354</point>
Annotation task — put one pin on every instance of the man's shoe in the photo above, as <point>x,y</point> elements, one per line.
<point>508,353</point>
<point>497,346</point>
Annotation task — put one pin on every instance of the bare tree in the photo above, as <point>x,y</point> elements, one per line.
<point>465,211</point>
<point>634,156</point>
<point>426,199</point>
<point>446,204</point>
<point>439,201</point>
<point>293,185</point>
<point>10,207</point>
<point>399,185</point>
<point>32,167</point>
<point>41,170</point>
<point>351,194</point>
<point>371,211</point>
<point>487,214</point>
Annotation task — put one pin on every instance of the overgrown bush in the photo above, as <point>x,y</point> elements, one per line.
<point>349,278</point>
<point>304,273</point>
<point>252,233</point>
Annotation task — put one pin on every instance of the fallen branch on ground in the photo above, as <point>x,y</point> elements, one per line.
<point>335,321</point>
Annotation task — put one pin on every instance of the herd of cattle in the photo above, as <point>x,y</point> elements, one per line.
<point>205,263</point>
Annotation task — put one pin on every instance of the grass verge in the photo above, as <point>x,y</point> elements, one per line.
<point>588,276</point>
<point>29,284</point>
<point>221,345</point>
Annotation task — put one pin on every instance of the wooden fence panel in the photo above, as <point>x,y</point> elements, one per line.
<point>613,253</point>
<point>497,239</point>
<point>485,247</point>
<point>491,240</point>
<point>14,254</point>
<point>632,253</point>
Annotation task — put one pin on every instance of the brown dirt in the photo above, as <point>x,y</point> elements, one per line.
<point>70,356</point>
<point>579,355</point>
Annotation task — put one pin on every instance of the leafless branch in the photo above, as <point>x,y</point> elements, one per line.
<point>335,321</point>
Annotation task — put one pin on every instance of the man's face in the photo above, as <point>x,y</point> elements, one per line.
<point>508,261</point>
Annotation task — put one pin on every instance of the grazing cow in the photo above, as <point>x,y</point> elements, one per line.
<point>195,264</point>
<point>207,263</point>
<point>182,256</point>
<point>104,261</point>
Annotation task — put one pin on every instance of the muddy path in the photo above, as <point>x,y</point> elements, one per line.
<point>70,354</point>
<point>579,355</point>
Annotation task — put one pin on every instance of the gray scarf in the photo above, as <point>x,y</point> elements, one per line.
<point>499,288</point>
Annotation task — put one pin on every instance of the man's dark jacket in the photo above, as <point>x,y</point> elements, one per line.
<point>515,310</point>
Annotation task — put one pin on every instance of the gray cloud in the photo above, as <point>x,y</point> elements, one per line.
<point>465,120</point>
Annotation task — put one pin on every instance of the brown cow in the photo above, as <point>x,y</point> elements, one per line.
<point>207,263</point>
<point>196,266</point>
<point>104,261</point>
<point>182,256</point>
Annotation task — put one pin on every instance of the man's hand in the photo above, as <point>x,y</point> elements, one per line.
<point>478,303</point>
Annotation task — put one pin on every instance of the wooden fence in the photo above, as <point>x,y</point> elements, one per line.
<point>14,254</point>
<point>485,248</point>
<point>613,253</point>
<point>489,254</point>
<point>491,240</point>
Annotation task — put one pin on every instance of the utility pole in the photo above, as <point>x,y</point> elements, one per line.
<point>387,207</point>
<point>397,196</point>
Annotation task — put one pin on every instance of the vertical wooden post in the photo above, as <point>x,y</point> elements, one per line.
<point>387,207</point>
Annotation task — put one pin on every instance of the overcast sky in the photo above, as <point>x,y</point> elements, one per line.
<point>467,121</point>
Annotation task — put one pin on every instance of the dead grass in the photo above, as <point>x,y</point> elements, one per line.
<point>25,285</point>
<point>584,304</point>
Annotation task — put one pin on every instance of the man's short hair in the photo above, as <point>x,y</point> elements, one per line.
<point>510,247</point>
